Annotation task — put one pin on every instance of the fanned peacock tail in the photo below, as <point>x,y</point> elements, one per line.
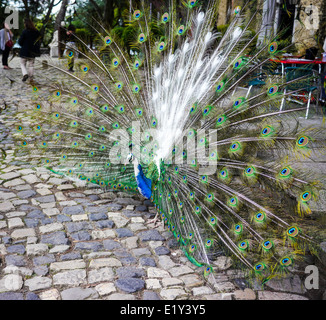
<point>217,161</point>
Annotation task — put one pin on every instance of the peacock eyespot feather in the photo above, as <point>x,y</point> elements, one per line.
<point>286,172</point>
<point>212,221</point>
<point>272,90</point>
<point>235,146</point>
<point>192,248</point>
<point>224,174</point>
<point>259,267</point>
<point>237,10</point>
<point>250,171</point>
<point>219,87</point>
<point>238,228</point>
<point>210,197</point>
<point>105,108</point>
<point>95,88</point>
<point>107,40</point>
<point>207,271</point>
<point>118,85</point>
<point>135,88</point>
<point>181,30</point>
<point>267,131</point>
<point>292,232</point>
<point>305,196</point>
<point>267,245</point>
<point>84,69</point>
<point>137,14</point>
<point>208,243</point>
<point>286,261</point>
<point>272,48</point>
<point>191,3</point>
<point>260,217</point>
<point>89,112</point>
<point>233,201</point>
<point>165,17</point>
<point>302,141</point>
<point>243,245</point>
<point>115,62</point>
<point>141,38</point>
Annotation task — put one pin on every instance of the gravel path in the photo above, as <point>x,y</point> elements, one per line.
<point>61,239</point>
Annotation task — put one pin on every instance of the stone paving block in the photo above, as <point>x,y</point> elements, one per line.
<point>100,275</point>
<point>6,206</point>
<point>269,295</point>
<point>23,233</point>
<point>246,294</point>
<point>105,288</point>
<point>52,294</point>
<point>150,295</point>
<point>153,284</point>
<point>26,194</point>
<point>67,265</point>
<point>18,248</point>
<point>173,293</point>
<point>38,283</point>
<point>7,195</point>
<point>89,246</point>
<point>59,248</point>
<point>15,223</point>
<point>11,282</point>
<point>51,211</point>
<point>121,296</point>
<point>71,277</point>
<point>79,294</point>
<point>198,291</point>
<point>179,271</point>
<point>3,224</point>
<point>171,282</point>
<point>51,227</point>
<point>130,285</point>
<point>153,272</point>
<point>55,238</point>
<point>104,262</point>
<point>130,242</point>
<point>103,234</point>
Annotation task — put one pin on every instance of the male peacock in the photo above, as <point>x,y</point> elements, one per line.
<point>176,123</point>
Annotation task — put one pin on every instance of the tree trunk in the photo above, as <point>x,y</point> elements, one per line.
<point>59,18</point>
<point>46,19</point>
<point>26,9</point>
<point>108,13</point>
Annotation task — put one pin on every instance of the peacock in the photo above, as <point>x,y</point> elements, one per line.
<point>191,119</point>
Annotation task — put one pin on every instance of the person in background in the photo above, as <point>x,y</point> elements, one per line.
<point>30,48</point>
<point>6,44</point>
<point>71,48</point>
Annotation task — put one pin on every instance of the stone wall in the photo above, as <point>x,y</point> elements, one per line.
<point>305,30</point>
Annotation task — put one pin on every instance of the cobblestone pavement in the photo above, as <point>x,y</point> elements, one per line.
<point>60,239</point>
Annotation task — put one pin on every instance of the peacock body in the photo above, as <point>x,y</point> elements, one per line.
<point>175,122</point>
